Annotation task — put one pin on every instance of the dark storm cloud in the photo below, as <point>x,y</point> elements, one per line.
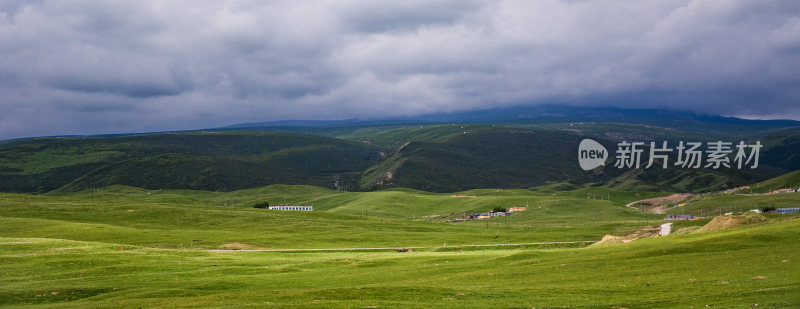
<point>77,67</point>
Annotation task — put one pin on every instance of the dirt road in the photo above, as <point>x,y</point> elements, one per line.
<point>393,248</point>
<point>659,205</point>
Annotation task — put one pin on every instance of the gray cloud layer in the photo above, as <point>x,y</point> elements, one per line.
<point>79,67</point>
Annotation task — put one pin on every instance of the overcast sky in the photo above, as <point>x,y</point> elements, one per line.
<point>84,67</point>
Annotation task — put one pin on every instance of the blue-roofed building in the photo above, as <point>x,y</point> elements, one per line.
<point>680,217</point>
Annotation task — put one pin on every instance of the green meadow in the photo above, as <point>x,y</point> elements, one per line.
<point>735,268</point>
<point>201,219</point>
<point>129,247</point>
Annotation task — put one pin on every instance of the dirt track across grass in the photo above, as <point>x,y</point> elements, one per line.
<point>659,205</point>
<point>393,248</point>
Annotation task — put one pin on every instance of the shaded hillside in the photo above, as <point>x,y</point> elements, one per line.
<point>220,161</point>
<point>618,132</point>
<point>783,149</point>
<point>483,157</point>
<point>475,156</point>
<point>688,180</point>
<point>443,158</point>
<point>394,137</point>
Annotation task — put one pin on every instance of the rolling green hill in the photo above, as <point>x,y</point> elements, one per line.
<point>787,181</point>
<point>209,161</point>
<point>440,158</point>
<point>134,216</point>
<point>688,180</point>
<point>170,220</point>
<point>394,137</point>
<point>724,203</point>
<point>449,158</point>
<point>479,157</point>
<point>758,196</point>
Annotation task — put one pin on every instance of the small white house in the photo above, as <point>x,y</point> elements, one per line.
<point>290,207</point>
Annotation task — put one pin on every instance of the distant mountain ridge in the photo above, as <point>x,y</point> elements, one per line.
<point>292,123</point>
<point>502,148</point>
<point>512,116</point>
<point>683,120</point>
<point>560,113</point>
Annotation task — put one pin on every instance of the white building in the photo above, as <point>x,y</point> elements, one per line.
<point>289,207</point>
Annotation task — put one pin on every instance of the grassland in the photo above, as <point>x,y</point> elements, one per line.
<point>189,235</point>
<point>129,247</point>
<point>185,218</point>
<point>735,268</point>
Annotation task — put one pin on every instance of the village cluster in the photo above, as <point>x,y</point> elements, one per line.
<point>465,217</point>
<point>745,188</point>
<point>501,212</point>
<point>489,215</point>
<point>782,211</point>
<point>771,210</point>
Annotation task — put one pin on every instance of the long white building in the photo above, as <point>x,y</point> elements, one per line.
<point>289,207</point>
